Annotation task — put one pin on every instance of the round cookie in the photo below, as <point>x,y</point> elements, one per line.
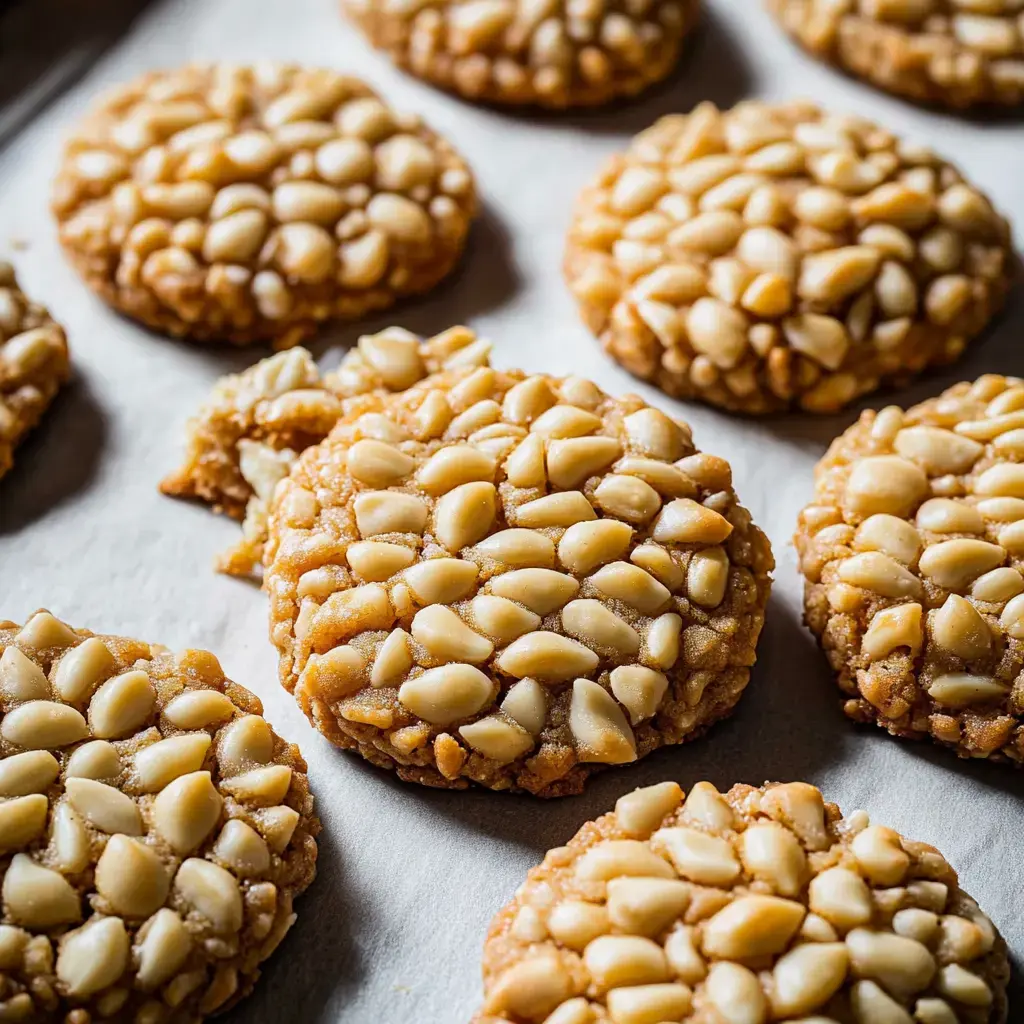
<point>512,580</point>
<point>756,905</point>
<point>952,53</point>
<point>546,53</point>
<point>154,830</point>
<point>251,430</point>
<point>913,556</point>
<point>243,204</point>
<point>33,364</point>
<point>775,256</point>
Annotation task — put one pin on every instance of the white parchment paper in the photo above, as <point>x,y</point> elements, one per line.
<point>391,931</point>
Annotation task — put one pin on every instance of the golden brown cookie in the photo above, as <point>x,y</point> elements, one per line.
<point>154,830</point>
<point>33,364</point>
<point>243,204</point>
<point>913,552</point>
<point>255,424</point>
<point>550,53</point>
<point>775,256</point>
<point>952,53</point>
<point>751,906</point>
<point>512,580</point>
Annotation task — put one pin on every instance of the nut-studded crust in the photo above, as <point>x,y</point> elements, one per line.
<point>33,364</point>
<point>756,905</point>
<point>550,54</point>
<point>243,204</point>
<point>951,53</point>
<point>255,424</point>
<point>772,256</point>
<point>512,580</point>
<point>154,830</point>
<point>913,559</point>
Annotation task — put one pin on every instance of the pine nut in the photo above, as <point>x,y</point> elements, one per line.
<point>31,772</point>
<point>684,521</point>
<point>564,421</point>
<point>71,842</point>
<point>163,948</point>
<point>243,743</point>
<point>531,988</point>
<point>943,515</point>
<point>517,548</point>
<point>658,562</point>
<point>242,849</point>
<point>702,858</point>
<point>186,811</point>
<point>800,807</point>
<point>81,669</point>
<point>807,976</point>
<point>22,820</point>
<point>36,897</point>
<point>834,275</point>
<point>212,892</point>
<point>597,724</point>
<point>441,581</point>
<point>121,705</point>
<point>881,574</point>
<point>616,960</point>
<point>592,622</point>
<point>955,564</point>
<point>937,451</point>
<point>570,462</point>
<point>500,618</point>
<point>683,956</point>
<point>565,508</point>
<point>628,498</point>
<point>20,678</point>
<point>447,637</point>
<point>667,480</point>
<point>260,786</point>
<point>131,877</point>
<point>586,546</point>
<point>164,761</point>
<point>958,628</point>
<point>960,689</point>
<point>640,812</point>
<point>752,926</point>
<point>197,709</point>
<point>705,805</point>
<point>885,483</point>
<point>735,994</point>
<point>526,704</point>
<point>870,1004</point>
<point>377,464</point>
<point>901,966</point>
<point>378,561</point>
<point>772,853</point>
<point>444,695</point>
<point>662,641</point>
<point>541,590</point>
<point>616,858</point>
<point>40,723</point>
<point>880,855</point>
<point>497,739</point>
<point>891,536</point>
<point>639,690</point>
<point>893,628</point>
<point>465,514</point>
<point>648,1004</point>
<point>105,807</point>
<point>93,956</point>
<point>842,898</point>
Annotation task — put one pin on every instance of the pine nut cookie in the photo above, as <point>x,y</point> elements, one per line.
<point>154,830</point>
<point>913,556</point>
<point>951,53</point>
<point>254,425</point>
<point>512,580</point>
<point>245,204</point>
<point>749,906</point>
<point>549,53</point>
<point>776,256</point>
<point>33,364</point>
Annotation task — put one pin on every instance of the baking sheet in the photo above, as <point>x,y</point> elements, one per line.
<point>391,931</point>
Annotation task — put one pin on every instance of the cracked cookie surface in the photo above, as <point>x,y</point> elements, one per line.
<point>250,204</point>
<point>154,830</point>
<point>512,580</point>
<point>777,255</point>
<point>755,905</point>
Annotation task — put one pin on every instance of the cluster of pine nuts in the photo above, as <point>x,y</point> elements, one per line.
<point>955,53</point>
<point>547,52</point>
<point>246,437</point>
<point>510,579</point>
<point>240,204</point>
<point>154,830</point>
<point>753,906</point>
<point>777,255</point>
<point>913,552</point>
<point>33,364</point>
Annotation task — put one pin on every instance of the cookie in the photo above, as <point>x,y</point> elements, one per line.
<point>254,425</point>
<point>547,54</point>
<point>951,53</point>
<point>776,256</point>
<point>512,580</point>
<point>244,204</point>
<point>913,556</point>
<point>154,829</point>
<point>756,905</point>
<point>33,364</point>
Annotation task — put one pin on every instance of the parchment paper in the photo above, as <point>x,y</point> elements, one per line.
<point>392,929</point>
